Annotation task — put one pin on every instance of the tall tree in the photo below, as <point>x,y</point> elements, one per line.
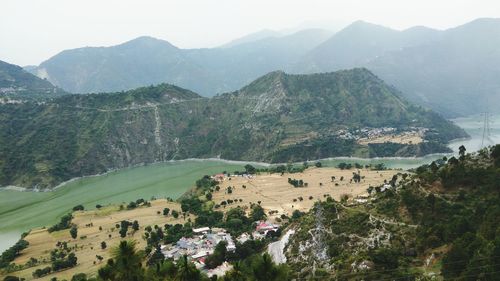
<point>187,271</point>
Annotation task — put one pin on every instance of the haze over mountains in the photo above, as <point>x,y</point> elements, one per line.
<point>145,61</point>
<point>452,71</point>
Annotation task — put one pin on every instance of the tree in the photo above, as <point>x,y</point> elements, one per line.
<point>11,278</point>
<point>318,164</point>
<point>264,269</point>
<point>250,169</point>
<point>461,152</point>
<point>78,208</point>
<point>208,196</point>
<point>79,277</point>
<point>135,225</point>
<point>166,211</point>
<point>175,214</point>
<point>495,154</point>
<point>103,245</point>
<point>218,256</point>
<point>157,257</point>
<point>73,231</point>
<point>257,213</point>
<point>187,271</point>
<point>235,274</point>
<point>125,264</point>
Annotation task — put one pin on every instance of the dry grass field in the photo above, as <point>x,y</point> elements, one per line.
<point>272,190</point>
<point>275,193</point>
<point>42,242</point>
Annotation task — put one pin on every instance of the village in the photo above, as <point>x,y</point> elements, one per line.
<point>204,241</point>
<point>273,192</point>
<point>365,136</point>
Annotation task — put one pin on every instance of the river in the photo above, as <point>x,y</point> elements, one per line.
<point>20,211</point>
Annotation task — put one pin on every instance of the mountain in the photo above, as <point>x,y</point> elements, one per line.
<point>277,118</point>
<point>146,61</point>
<point>16,83</point>
<point>240,65</point>
<point>452,71</point>
<point>359,43</point>
<point>140,62</point>
<point>456,75</point>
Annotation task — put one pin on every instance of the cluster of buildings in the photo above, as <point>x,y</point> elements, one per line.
<point>200,246</point>
<point>371,133</point>
<point>203,243</point>
<point>222,177</point>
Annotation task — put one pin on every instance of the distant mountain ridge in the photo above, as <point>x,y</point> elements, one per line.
<point>146,61</point>
<point>277,118</point>
<point>452,71</point>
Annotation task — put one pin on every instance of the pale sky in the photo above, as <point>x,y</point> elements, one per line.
<point>32,31</point>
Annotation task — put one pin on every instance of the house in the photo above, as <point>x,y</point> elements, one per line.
<point>199,246</point>
<point>201,230</point>
<point>262,228</point>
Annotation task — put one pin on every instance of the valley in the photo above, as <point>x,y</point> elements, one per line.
<point>341,150</point>
<point>277,195</point>
<point>277,118</point>
<point>163,180</point>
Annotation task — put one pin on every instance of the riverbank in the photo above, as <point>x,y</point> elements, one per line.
<point>20,211</point>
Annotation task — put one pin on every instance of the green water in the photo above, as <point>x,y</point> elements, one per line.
<point>20,211</point>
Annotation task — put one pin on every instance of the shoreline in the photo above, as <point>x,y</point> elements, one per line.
<point>213,159</point>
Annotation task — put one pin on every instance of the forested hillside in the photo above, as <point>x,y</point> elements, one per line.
<point>18,84</point>
<point>441,220</point>
<point>277,118</point>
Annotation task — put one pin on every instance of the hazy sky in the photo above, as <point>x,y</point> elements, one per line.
<point>34,30</point>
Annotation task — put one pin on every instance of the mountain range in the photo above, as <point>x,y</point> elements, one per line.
<point>452,71</point>
<point>276,118</point>
<point>146,61</point>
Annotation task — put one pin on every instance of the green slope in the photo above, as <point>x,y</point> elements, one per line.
<point>16,83</point>
<point>446,215</point>
<point>277,118</point>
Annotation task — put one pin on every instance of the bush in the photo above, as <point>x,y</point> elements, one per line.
<point>64,223</point>
<point>79,277</point>
<point>11,253</point>
<point>42,272</point>
<point>78,208</point>
<point>73,231</point>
